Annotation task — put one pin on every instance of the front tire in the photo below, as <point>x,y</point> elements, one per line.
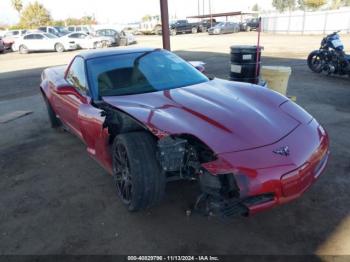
<point>138,178</point>
<point>173,32</point>
<point>59,48</point>
<point>54,121</point>
<point>314,61</point>
<point>194,30</point>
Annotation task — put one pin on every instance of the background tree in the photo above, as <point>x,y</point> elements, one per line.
<point>146,18</point>
<point>88,20</point>
<point>58,23</point>
<point>34,15</point>
<point>311,4</point>
<point>17,5</point>
<point>256,8</point>
<point>284,5</point>
<point>339,3</point>
<point>72,21</point>
<point>85,20</point>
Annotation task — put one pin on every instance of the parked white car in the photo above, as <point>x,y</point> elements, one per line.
<point>39,41</point>
<point>86,41</point>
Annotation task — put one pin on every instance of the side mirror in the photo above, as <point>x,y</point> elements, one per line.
<point>200,68</point>
<point>199,65</point>
<point>70,90</point>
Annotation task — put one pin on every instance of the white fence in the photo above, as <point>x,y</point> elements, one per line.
<point>300,22</point>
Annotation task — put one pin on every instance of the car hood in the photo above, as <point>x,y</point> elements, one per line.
<point>227,116</point>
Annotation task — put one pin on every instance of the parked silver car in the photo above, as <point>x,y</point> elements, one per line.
<point>224,28</point>
<point>119,39</point>
<point>86,41</point>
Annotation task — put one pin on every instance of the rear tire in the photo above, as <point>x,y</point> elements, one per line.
<point>59,48</point>
<point>194,30</point>
<point>137,175</point>
<point>23,49</point>
<point>314,61</point>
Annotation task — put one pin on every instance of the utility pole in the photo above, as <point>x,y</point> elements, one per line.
<point>164,14</point>
<point>203,7</point>
<point>211,18</point>
<point>199,11</point>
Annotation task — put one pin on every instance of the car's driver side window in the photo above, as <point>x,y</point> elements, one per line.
<point>76,76</point>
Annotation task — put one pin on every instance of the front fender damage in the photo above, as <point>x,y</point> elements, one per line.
<point>184,157</point>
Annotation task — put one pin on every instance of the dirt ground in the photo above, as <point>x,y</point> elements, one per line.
<point>54,199</point>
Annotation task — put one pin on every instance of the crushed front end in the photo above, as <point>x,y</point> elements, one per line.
<point>248,181</point>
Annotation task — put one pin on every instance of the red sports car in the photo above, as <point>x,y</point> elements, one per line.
<point>149,117</point>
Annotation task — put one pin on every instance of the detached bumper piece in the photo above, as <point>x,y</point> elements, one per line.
<point>221,197</point>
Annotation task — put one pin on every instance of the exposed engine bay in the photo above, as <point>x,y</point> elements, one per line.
<point>181,158</point>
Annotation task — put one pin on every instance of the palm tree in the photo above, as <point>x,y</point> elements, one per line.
<point>18,5</point>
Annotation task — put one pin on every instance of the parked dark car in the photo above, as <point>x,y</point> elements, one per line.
<point>204,25</point>
<point>183,26</point>
<point>224,28</point>
<point>2,46</point>
<point>250,24</point>
<point>120,39</point>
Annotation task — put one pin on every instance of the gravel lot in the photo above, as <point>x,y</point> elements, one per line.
<point>54,199</point>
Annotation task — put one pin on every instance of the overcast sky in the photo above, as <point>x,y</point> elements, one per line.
<point>123,11</point>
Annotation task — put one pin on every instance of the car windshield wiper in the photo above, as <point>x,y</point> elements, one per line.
<point>137,59</point>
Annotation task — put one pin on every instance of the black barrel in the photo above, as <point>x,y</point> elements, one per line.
<point>243,63</point>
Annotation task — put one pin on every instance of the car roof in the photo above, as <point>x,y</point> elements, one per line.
<point>113,51</point>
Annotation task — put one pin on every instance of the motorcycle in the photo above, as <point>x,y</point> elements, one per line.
<point>330,58</point>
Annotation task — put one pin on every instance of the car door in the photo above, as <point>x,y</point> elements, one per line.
<point>78,39</point>
<point>45,43</point>
<point>81,117</point>
<point>182,26</point>
<point>226,28</point>
<point>68,105</point>
<point>42,42</point>
<point>230,28</point>
<point>28,41</point>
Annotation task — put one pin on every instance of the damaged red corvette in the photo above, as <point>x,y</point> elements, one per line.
<point>149,117</point>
